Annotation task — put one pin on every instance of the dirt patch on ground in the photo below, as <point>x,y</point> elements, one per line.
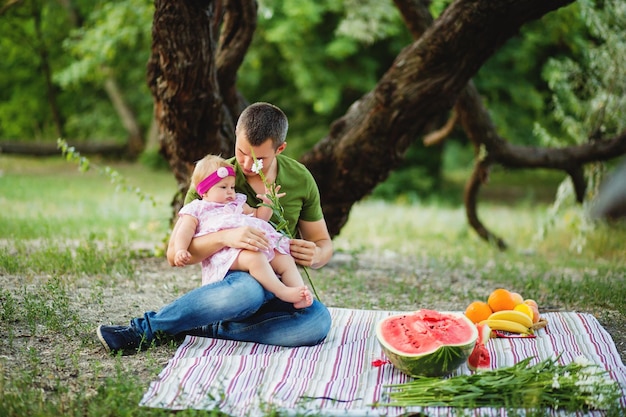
<point>73,356</point>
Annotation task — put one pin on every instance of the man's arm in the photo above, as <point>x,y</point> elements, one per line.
<point>204,246</point>
<point>315,248</point>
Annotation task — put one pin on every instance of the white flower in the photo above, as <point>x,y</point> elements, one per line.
<point>257,166</point>
<point>582,361</point>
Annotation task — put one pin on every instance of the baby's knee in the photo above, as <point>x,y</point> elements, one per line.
<point>250,257</point>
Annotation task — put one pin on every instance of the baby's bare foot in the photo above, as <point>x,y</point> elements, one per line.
<point>299,296</point>
<point>306,300</point>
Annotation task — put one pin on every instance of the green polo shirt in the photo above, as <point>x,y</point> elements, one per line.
<point>302,197</point>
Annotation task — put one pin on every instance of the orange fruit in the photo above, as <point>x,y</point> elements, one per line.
<point>478,311</point>
<point>501,299</point>
<point>533,305</point>
<point>517,297</point>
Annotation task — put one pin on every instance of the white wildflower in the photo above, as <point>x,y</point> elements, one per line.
<point>257,166</point>
<point>582,361</point>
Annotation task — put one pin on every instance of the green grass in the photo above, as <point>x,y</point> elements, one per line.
<point>68,239</point>
<point>51,200</point>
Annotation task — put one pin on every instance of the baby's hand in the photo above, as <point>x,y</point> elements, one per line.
<point>265,197</point>
<point>182,257</point>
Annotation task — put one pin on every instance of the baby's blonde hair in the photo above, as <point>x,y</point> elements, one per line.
<point>206,166</point>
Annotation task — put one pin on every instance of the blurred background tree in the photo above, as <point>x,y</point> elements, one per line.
<point>76,69</point>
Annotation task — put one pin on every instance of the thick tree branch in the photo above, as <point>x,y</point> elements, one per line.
<point>480,130</point>
<point>477,123</point>
<point>372,137</point>
<point>472,186</point>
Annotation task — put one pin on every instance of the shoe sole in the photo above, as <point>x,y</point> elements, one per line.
<point>104,343</point>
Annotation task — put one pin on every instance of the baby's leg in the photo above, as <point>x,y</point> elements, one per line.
<point>257,264</point>
<point>286,267</point>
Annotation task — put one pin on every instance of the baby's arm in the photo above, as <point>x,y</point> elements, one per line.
<point>262,212</point>
<point>182,238</point>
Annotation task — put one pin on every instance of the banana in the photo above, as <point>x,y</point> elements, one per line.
<point>512,315</point>
<point>507,326</point>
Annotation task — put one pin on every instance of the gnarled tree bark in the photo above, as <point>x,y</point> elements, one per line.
<point>197,48</point>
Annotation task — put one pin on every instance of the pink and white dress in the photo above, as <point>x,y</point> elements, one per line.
<point>213,217</point>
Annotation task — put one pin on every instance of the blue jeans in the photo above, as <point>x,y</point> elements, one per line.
<point>238,308</point>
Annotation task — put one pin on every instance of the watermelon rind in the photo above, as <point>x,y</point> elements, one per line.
<point>442,361</point>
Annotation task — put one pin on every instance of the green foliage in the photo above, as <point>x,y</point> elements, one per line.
<point>111,35</point>
<point>153,159</point>
<point>589,101</point>
<point>32,34</point>
<point>347,49</point>
<point>102,38</point>
<point>511,81</point>
<point>417,178</point>
<point>589,93</point>
<point>312,58</point>
<point>113,43</point>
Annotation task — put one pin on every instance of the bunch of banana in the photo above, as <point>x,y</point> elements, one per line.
<point>510,321</point>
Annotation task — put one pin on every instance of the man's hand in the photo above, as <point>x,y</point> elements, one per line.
<point>303,251</point>
<point>245,237</point>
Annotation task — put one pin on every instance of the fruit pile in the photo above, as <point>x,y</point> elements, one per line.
<point>506,311</point>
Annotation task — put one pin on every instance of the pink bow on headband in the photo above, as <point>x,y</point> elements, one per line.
<point>215,177</point>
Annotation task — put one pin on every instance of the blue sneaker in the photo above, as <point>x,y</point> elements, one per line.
<point>124,339</point>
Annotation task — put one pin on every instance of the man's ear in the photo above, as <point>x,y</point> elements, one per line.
<point>281,148</point>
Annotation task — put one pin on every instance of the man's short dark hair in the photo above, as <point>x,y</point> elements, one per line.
<point>263,121</point>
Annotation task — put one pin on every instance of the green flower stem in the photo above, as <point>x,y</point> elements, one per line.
<point>72,155</point>
<point>282,225</point>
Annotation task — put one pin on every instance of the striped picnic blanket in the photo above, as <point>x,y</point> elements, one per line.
<point>340,376</point>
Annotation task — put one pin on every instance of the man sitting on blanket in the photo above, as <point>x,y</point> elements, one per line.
<point>238,308</point>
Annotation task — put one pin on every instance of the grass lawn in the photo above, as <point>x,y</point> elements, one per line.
<point>78,250</point>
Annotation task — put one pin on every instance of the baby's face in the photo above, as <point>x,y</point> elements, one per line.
<point>222,192</point>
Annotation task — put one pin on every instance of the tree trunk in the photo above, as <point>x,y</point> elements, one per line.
<point>51,90</point>
<point>197,48</point>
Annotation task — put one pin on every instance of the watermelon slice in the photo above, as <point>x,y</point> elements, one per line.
<point>480,359</point>
<point>427,342</point>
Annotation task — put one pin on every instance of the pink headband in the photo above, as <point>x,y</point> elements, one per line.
<point>215,177</point>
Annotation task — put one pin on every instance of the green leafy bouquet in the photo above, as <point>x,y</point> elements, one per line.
<point>579,385</point>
